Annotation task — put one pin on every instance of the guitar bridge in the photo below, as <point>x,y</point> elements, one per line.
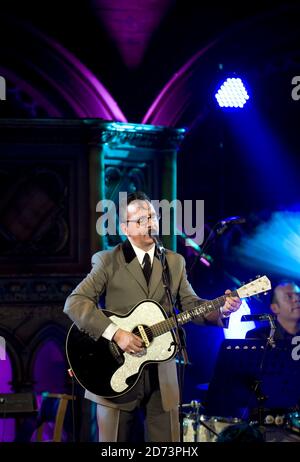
<point>143,335</point>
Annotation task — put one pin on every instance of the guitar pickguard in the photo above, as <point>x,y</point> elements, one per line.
<point>160,349</point>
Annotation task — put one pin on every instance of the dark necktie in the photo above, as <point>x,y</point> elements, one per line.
<point>147,267</point>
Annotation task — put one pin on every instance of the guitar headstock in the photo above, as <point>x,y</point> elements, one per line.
<point>255,287</point>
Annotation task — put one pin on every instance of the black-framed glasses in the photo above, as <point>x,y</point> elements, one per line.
<point>143,221</point>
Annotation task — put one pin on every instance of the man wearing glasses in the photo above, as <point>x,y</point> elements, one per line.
<point>128,274</point>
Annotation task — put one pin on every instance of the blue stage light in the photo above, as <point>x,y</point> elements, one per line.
<point>236,328</point>
<point>232,93</point>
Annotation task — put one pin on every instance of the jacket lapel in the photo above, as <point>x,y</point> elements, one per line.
<point>156,277</point>
<point>133,266</point>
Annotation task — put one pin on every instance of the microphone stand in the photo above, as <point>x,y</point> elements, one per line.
<point>260,397</point>
<point>271,340</point>
<point>181,347</point>
<point>209,240</point>
<point>216,231</point>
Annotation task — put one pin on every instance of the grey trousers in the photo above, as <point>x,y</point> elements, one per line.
<point>143,419</point>
<point>117,425</point>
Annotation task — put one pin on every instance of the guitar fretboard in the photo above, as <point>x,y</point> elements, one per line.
<point>186,316</point>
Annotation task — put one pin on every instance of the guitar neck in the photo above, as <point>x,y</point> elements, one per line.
<point>186,316</point>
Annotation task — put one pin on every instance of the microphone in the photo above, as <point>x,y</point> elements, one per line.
<point>232,221</point>
<point>193,404</point>
<point>229,221</point>
<point>257,317</point>
<point>158,243</point>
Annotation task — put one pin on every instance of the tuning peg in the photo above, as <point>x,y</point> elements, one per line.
<point>258,276</point>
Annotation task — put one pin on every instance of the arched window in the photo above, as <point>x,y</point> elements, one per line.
<point>49,368</point>
<point>7,425</point>
<point>49,371</point>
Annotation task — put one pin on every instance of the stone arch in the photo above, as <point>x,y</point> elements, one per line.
<point>188,97</point>
<point>47,364</point>
<point>14,348</point>
<point>47,80</point>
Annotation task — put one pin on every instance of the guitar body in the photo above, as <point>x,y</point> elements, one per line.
<point>103,368</point>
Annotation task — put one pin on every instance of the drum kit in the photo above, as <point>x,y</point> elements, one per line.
<point>198,427</point>
<point>282,427</point>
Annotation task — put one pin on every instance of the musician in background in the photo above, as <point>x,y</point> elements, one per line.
<point>285,304</point>
<point>126,275</point>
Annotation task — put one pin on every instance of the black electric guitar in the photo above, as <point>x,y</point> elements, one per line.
<point>104,369</point>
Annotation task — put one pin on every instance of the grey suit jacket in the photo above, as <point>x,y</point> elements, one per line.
<point>118,274</point>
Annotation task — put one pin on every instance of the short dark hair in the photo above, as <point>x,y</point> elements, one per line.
<point>281,283</point>
<point>131,197</point>
<point>137,196</point>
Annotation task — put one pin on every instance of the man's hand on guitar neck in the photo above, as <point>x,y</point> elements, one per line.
<point>128,342</point>
<point>232,304</point>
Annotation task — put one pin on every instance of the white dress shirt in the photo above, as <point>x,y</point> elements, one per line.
<point>140,253</point>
